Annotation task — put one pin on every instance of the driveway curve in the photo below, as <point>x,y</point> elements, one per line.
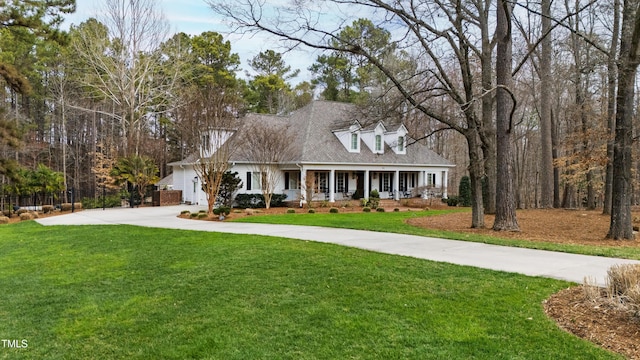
<point>556,265</point>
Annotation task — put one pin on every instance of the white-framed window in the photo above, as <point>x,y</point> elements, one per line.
<point>385,181</point>
<point>354,141</point>
<point>378,143</point>
<point>431,179</point>
<point>400,143</point>
<point>321,182</point>
<point>342,182</point>
<point>254,180</point>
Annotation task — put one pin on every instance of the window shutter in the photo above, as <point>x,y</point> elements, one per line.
<point>286,180</point>
<point>248,180</point>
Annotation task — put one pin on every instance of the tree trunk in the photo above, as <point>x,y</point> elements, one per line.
<point>475,175</point>
<point>505,198</point>
<point>546,148</point>
<point>611,106</point>
<point>620,227</point>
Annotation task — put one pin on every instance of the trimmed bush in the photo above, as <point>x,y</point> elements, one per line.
<point>202,215</point>
<point>366,209</point>
<point>202,211</point>
<point>193,215</point>
<point>374,194</point>
<point>47,209</point>
<point>26,216</point>
<point>253,201</point>
<point>222,210</point>
<point>34,214</point>
<point>396,210</point>
<point>185,212</point>
<point>6,213</point>
<point>291,211</point>
<point>333,210</point>
<point>21,211</point>
<point>311,211</point>
<point>4,220</point>
<point>65,206</point>
<point>380,209</point>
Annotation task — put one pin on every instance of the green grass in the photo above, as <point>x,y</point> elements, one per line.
<point>123,292</point>
<point>396,222</point>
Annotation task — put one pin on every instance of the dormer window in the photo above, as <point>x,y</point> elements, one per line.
<point>354,141</point>
<point>378,146</point>
<point>401,144</point>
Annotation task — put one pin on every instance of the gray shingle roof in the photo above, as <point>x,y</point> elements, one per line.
<point>312,130</point>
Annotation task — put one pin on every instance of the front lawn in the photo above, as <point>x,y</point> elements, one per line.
<point>123,292</point>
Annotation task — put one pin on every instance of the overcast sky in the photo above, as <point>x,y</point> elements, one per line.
<point>195,17</point>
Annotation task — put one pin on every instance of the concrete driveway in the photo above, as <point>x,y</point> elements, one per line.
<point>530,262</point>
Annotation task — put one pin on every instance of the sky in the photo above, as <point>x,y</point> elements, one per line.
<point>195,17</point>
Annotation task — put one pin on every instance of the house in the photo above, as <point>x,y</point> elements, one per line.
<point>337,153</point>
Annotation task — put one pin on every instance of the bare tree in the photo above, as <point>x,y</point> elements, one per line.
<point>267,145</point>
<point>123,64</point>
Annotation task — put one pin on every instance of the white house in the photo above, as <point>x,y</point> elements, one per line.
<point>337,153</point>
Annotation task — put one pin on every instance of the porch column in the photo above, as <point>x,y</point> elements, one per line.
<point>445,181</point>
<point>366,185</point>
<point>332,185</point>
<point>420,178</point>
<point>396,185</point>
<point>303,186</point>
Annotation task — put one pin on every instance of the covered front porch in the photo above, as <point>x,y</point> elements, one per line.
<point>337,184</point>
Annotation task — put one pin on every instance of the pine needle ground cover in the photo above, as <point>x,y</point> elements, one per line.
<point>114,292</point>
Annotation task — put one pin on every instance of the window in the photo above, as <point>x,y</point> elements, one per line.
<point>354,141</point>
<point>400,143</point>
<point>206,142</point>
<point>253,180</point>
<point>342,182</point>
<point>378,142</point>
<point>321,182</point>
<point>385,182</point>
<point>291,180</point>
<point>431,179</point>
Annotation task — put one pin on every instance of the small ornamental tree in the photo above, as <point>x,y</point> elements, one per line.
<point>230,184</point>
<point>137,171</point>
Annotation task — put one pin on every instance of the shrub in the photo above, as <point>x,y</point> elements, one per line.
<point>34,214</point>
<point>291,211</point>
<point>373,202</point>
<point>452,201</point>
<point>21,211</point>
<point>333,210</point>
<point>26,216</point>
<point>253,201</point>
<point>202,211</point>
<point>366,209</point>
<point>380,209</point>
<point>65,206</point>
<point>110,201</point>
<point>464,191</point>
<point>47,209</point>
<point>193,215</point>
<point>622,289</point>
<point>202,215</point>
<point>396,210</point>
<point>4,220</point>
<point>374,194</point>
<point>6,213</point>
<point>184,212</point>
<point>222,210</point>
<point>311,211</point>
